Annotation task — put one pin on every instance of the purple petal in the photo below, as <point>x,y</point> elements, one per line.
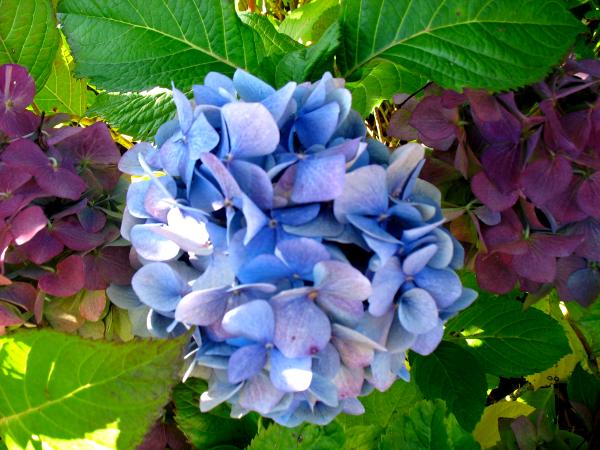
<point>203,307</point>
<point>27,223</point>
<point>436,124</point>
<point>502,164</point>
<point>365,193</point>
<point>18,89</point>
<point>494,272</point>
<point>349,382</point>
<point>545,179</point>
<point>260,395</point>
<point>253,320</point>
<point>319,179</point>
<point>386,282</point>
<point>417,311</point>
<point>301,328</point>
<point>584,285</point>
<point>246,362</point>
<point>251,129</point>
<point>588,196</point>
<point>490,195</point>
<point>290,374</point>
<point>159,286</point>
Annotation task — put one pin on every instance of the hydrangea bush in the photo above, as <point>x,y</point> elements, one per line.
<point>308,258</point>
<point>533,163</point>
<point>55,191</point>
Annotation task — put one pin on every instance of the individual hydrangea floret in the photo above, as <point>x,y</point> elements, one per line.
<point>307,258</point>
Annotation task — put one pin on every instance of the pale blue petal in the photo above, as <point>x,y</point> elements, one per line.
<point>318,126</point>
<point>417,311</point>
<point>418,259</point>
<point>250,88</point>
<point>203,307</point>
<point>443,285</point>
<point>260,395</point>
<point>365,193</point>
<point>159,286</point>
<point>251,129</point>
<point>319,179</point>
<point>426,343</point>
<point>290,374</point>
<point>246,363</point>
<point>151,245</point>
<point>253,320</point>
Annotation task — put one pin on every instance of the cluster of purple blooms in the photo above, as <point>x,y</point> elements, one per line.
<point>55,186</point>
<point>308,259</point>
<point>537,174</point>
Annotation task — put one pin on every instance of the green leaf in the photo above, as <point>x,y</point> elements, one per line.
<point>61,391</point>
<point>426,426</point>
<point>379,81</point>
<point>135,114</point>
<point>62,92</point>
<point>28,36</point>
<point>309,63</point>
<point>138,44</point>
<point>453,374</point>
<point>207,430</point>
<point>508,341</point>
<point>584,388</point>
<point>305,437</point>
<point>309,22</point>
<point>488,44</point>
<point>486,431</point>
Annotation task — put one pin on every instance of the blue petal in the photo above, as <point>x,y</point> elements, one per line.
<point>372,228</point>
<point>246,362</point>
<point>301,328</point>
<point>201,137</point>
<point>399,340</point>
<point>160,197</point>
<point>386,282</point>
<point>383,250</point>
<point>250,88</point>
<point>403,162</point>
<point>128,222</point>
<point>204,95</point>
<point>327,362</point>
<point>264,268</point>
<point>458,255</point>
<point>443,285</point>
<point>301,255</point>
<point>203,195</point>
<point>280,103</point>
<point>417,311</point>
<point>413,234</point>
<point>467,297</point>
<point>317,127</point>
<point>380,374</point>
<point>151,245</point>
<point>159,286</point>
<point>297,215</point>
<point>129,162</point>
<point>253,320</point>
<point>202,307</point>
<point>323,226</point>
<point>443,256</point>
<point>318,94</point>
<point>226,182</point>
<point>290,374</point>
<point>341,280</point>
<point>218,392</point>
<point>260,395</point>
<point>165,131</point>
<point>184,109</point>
<point>365,193</point>
<point>319,179</point>
<point>123,296</point>
<point>255,219</point>
<point>187,232</point>
<point>251,129</point>
<point>418,259</point>
<point>254,182</point>
<point>426,343</point>
<point>324,390</point>
<point>220,83</point>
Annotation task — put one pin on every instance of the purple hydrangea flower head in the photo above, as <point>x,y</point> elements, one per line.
<point>308,259</point>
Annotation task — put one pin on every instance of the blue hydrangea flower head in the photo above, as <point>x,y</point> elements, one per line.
<point>307,258</point>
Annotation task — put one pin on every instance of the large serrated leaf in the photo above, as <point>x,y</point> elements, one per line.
<point>379,81</point>
<point>59,391</point>
<point>508,340</point>
<point>454,375</point>
<point>135,114</point>
<point>28,36</point>
<point>303,437</point>
<point>309,22</point>
<point>62,92</point>
<point>490,44</point>
<point>207,430</point>
<point>426,427</point>
<point>139,44</point>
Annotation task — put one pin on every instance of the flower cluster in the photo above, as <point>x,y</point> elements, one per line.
<point>55,186</point>
<point>308,259</point>
<point>537,175</point>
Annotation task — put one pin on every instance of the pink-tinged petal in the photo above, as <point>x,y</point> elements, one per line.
<point>535,265</point>
<point>20,294</point>
<point>62,183</point>
<point>92,305</point>
<point>555,135</point>
<point>426,343</point>
<point>43,247</point>
<point>290,374</point>
<point>17,89</point>
<point>545,179</point>
<point>353,354</point>
<point>8,318</point>
<point>494,272</point>
<point>341,280</point>
<point>91,219</point>
<point>11,180</point>
<point>246,362</point>
<point>588,196</point>
<point>25,155</point>
<point>70,232</point>
<point>386,282</point>
<point>68,279</point>
<point>93,145</point>
<point>27,224</point>
<point>556,245</point>
<point>259,394</point>
<point>254,320</point>
<point>399,122</point>
<point>349,382</point>
<point>203,307</point>
<point>365,193</point>
<point>490,195</point>
<point>301,328</point>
